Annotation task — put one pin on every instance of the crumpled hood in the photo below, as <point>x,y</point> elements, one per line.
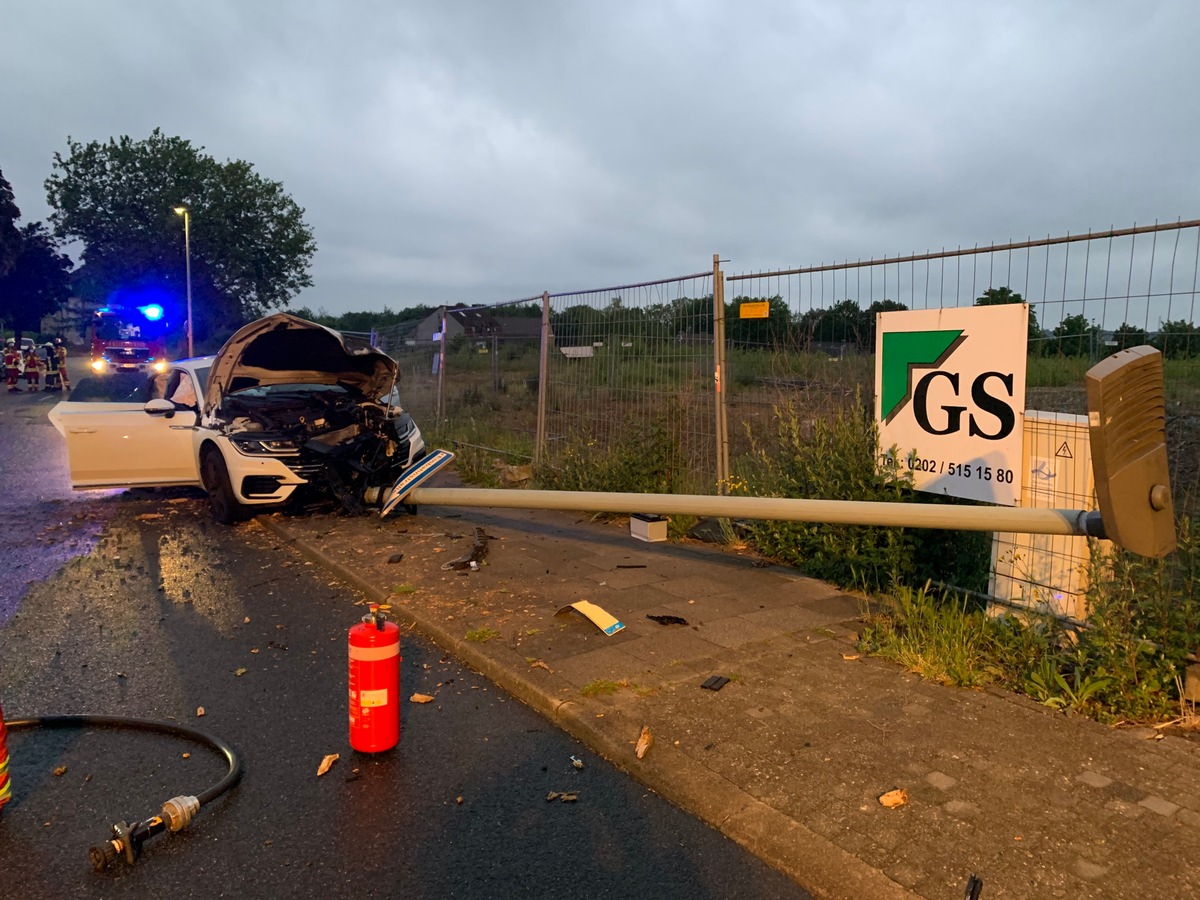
<point>284,349</point>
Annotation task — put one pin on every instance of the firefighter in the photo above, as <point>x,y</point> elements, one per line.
<point>12,366</point>
<point>60,353</point>
<point>51,366</point>
<point>33,365</point>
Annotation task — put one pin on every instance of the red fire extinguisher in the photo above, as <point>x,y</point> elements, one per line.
<point>5,787</point>
<point>374,683</point>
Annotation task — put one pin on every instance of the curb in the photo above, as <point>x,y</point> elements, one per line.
<point>815,863</point>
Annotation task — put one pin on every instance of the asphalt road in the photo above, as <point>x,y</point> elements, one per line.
<point>135,604</point>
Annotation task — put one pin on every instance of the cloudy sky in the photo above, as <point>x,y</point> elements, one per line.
<point>492,149</point>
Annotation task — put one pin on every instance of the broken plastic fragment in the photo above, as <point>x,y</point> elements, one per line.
<point>667,620</point>
<point>327,763</point>
<point>421,698</point>
<point>594,614</point>
<point>576,762</point>
<point>894,798</point>
<point>714,682</point>
<point>645,739</point>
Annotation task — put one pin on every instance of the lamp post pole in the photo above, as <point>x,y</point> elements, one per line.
<point>187,254</point>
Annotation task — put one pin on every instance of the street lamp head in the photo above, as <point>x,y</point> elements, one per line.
<point>181,210</point>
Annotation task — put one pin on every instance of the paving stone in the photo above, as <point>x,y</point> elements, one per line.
<point>1095,779</point>
<point>1160,806</point>
<point>941,781</point>
<point>961,809</point>
<point>1188,817</point>
<point>1089,870</point>
<point>1125,808</point>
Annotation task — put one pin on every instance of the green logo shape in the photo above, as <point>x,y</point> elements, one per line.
<point>904,351</point>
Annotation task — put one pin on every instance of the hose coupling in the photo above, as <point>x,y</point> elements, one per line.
<point>178,811</point>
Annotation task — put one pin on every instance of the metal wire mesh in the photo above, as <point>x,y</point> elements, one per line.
<point>632,367</point>
<point>1091,295</point>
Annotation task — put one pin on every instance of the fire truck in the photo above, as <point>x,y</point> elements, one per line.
<point>129,339</point>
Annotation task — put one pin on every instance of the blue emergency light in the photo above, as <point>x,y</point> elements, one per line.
<point>152,311</point>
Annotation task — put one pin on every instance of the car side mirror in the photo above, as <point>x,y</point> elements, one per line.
<point>164,408</point>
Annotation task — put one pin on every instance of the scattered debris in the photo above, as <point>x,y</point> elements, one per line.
<point>199,711</point>
<point>850,657</point>
<point>421,698</point>
<point>631,566</point>
<point>395,558</point>
<point>564,796</point>
<point>894,798</point>
<point>239,672</point>
<point>475,557</point>
<point>645,739</point>
<point>714,682</point>
<point>148,517</point>
<point>594,614</point>
<point>60,771</point>
<point>667,620</point>
<point>458,800</point>
<point>540,664</point>
<point>974,888</point>
<point>187,756</point>
<point>576,762</point>
<point>513,475</point>
<point>327,763</point>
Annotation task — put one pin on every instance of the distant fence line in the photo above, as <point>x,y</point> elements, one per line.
<point>625,366</point>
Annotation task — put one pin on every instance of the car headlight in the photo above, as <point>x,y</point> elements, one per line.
<point>266,448</point>
<point>99,365</point>
<point>159,366</point>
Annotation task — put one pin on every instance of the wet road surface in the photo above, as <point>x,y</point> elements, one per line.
<point>166,612</point>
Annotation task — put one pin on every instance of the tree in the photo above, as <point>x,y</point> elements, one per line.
<point>1075,336</point>
<point>1002,295</point>
<point>758,334</point>
<point>1178,340</point>
<point>878,306</point>
<point>39,281</point>
<point>250,246</point>
<point>10,239</point>
<point>1125,337</point>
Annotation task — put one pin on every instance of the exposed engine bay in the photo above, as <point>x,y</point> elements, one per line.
<point>331,435</point>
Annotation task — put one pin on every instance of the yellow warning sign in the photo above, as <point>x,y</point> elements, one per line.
<point>756,309</point>
<point>1064,451</point>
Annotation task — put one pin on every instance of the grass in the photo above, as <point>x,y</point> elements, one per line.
<point>602,687</point>
<point>482,635</point>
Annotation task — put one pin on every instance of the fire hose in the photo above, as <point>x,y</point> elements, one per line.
<point>128,837</point>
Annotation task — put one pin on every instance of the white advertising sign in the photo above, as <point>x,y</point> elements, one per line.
<point>950,398</point>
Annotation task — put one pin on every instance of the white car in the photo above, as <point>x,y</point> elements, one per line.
<point>285,408</point>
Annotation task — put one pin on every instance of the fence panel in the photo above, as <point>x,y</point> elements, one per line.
<point>1090,294</point>
<point>630,368</point>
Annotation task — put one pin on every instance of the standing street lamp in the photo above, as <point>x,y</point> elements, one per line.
<point>187,253</point>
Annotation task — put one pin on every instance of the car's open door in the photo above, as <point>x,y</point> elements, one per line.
<point>123,444</point>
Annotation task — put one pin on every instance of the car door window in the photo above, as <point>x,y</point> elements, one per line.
<point>182,390</point>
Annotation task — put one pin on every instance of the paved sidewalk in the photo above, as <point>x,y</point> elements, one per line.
<point>791,756</point>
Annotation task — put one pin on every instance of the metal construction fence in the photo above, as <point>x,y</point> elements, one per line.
<point>673,363</point>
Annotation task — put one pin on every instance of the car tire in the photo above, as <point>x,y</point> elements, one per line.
<point>225,507</point>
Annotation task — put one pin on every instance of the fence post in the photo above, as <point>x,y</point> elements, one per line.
<point>441,405</point>
<point>720,376</point>
<point>495,360</point>
<point>543,372</point>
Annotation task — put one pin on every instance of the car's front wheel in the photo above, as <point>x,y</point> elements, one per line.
<point>225,507</point>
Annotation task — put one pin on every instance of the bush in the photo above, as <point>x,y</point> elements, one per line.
<point>834,458</point>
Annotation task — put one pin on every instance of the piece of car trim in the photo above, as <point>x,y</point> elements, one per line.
<point>414,478</point>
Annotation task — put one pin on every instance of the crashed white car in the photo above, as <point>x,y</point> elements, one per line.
<point>284,410</point>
